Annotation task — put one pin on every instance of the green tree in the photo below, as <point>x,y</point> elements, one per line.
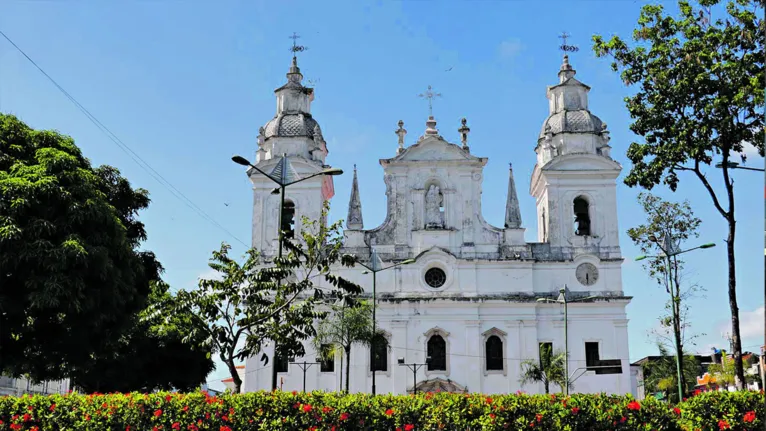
<point>251,305</point>
<point>699,100</point>
<point>549,369</point>
<point>154,354</point>
<point>71,274</point>
<point>676,221</point>
<point>345,326</point>
<point>660,375</point>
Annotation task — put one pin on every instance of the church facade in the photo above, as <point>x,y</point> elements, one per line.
<point>478,299</point>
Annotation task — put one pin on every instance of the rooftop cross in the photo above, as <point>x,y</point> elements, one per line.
<point>430,96</point>
<point>296,48</point>
<point>564,47</point>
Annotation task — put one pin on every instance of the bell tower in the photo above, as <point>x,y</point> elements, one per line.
<point>574,179</point>
<point>290,147</point>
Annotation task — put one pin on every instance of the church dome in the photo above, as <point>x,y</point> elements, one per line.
<point>288,125</point>
<point>579,121</point>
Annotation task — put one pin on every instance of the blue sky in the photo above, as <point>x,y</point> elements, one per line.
<point>187,84</point>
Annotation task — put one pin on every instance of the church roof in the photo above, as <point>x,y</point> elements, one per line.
<point>291,125</point>
<point>440,385</point>
<point>579,121</point>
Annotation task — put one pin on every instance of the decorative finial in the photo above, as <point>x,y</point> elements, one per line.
<point>564,47</point>
<point>296,48</point>
<point>430,96</point>
<point>401,132</point>
<point>464,130</point>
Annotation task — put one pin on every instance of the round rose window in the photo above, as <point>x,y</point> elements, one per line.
<point>435,277</point>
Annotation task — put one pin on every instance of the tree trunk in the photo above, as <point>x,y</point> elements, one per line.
<point>234,374</point>
<point>348,365</point>
<point>736,341</point>
<point>341,373</point>
<point>676,298</point>
<point>547,387</point>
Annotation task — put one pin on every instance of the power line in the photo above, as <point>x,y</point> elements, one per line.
<point>126,149</point>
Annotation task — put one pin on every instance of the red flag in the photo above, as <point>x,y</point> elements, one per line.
<point>328,189</point>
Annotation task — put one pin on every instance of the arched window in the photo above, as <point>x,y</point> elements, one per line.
<point>379,355</point>
<point>494,353</point>
<point>437,351</point>
<point>288,219</point>
<point>582,217</point>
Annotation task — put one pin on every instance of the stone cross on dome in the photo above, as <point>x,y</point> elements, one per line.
<point>431,123</point>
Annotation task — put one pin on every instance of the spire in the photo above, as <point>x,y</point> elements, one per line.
<point>354,220</point>
<point>294,75</point>
<point>512,211</point>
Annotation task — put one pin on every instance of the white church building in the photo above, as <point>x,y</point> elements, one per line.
<point>469,307</point>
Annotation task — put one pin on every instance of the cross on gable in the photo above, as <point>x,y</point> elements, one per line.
<point>430,95</point>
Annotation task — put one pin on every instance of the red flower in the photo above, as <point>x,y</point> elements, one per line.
<point>697,392</point>
<point>722,425</point>
<point>168,398</point>
<point>492,416</point>
<point>157,413</point>
<point>344,416</point>
<point>87,417</point>
<point>489,400</point>
<point>186,408</point>
<point>575,410</point>
<point>409,427</point>
<point>749,416</point>
<point>30,408</point>
<point>634,405</point>
<point>389,412</point>
<point>307,408</point>
<point>326,409</point>
<point>192,427</point>
<point>27,417</point>
<point>176,426</point>
<point>677,411</point>
<point>224,428</point>
<point>16,427</point>
<point>207,415</point>
<point>623,419</point>
<point>127,428</point>
<point>295,392</point>
<point>52,407</point>
<point>539,417</point>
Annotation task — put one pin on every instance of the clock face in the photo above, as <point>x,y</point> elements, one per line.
<point>587,274</point>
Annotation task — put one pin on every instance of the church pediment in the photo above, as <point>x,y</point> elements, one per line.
<point>433,149</point>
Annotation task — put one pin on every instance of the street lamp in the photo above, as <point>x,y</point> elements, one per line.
<point>735,165</point>
<point>562,299</point>
<point>283,174</point>
<point>670,250</point>
<point>374,268</point>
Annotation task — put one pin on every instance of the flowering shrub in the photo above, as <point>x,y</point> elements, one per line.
<point>718,411</point>
<point>321,411</point>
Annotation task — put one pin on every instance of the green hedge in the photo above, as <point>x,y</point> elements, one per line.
<point>330,411</point>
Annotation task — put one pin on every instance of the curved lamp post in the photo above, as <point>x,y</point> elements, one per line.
<point>670,250</point>
<point>374,268</point>
<point>283,175</point>
<point>562,299</point>
<point>735,165</point>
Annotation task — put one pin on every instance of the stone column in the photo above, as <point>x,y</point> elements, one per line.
<point>401,377</point>
<point>470,365</point>
<point>513,353</point>
<point>528,345</point>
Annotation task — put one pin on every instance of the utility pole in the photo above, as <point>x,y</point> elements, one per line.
<point>304,366</point>
<point>414,368</point>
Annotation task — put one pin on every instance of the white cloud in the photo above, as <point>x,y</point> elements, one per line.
<point>749,150</point>
<point>509,48</point>
<point>210,274</point>
<point>750,324</point>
